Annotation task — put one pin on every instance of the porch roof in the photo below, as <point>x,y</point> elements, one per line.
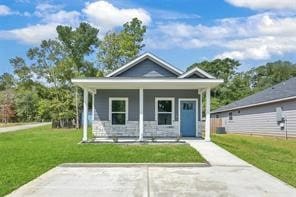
<point>145,83</point>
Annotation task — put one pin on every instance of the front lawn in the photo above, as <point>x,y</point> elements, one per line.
<point>273,155</point>
<point>28,154</point>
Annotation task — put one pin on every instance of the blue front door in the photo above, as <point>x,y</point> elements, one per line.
<point>188,118</point>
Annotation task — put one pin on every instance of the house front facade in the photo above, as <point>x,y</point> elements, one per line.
<point>147,98</point>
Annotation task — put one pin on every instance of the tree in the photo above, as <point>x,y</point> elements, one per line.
<point>118,48</point>
<point>45,61</point>
<point>23,72</point>
<point>222,69</point>
<point>26,105</point>
<point>7,108</point>
<point>6,81</point>
<point>270,74</point>
<point>78,43</point>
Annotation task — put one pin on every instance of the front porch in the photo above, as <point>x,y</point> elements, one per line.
<point>136,118</point>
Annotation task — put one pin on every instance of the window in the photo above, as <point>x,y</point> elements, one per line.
<point>217,115</point>
<point>187,106</point>
<point>118,110</point>
<point>164,109</point>
<point>230,116</point>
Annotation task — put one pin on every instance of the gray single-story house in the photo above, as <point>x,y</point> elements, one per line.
<point>269,112</point>
<point>148,97</point>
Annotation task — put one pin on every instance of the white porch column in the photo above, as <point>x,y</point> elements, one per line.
<point>93,106</point>
<point>85,112</point>
<point>141,116</point>
<point>208,118</point>
<point>200,113</point>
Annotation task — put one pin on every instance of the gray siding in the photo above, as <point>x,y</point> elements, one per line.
<point>147,68</point>
<point>196,76</point>
<point>150,95</point>
<point>260,119</point>
<point>102,102</point>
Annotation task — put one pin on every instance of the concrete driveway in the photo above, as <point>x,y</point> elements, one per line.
<point>227,176</point>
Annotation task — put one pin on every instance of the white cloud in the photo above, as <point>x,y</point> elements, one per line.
<point>31,34</point>
<point>256,37</point>
<point>4,10</point>
<point>63,17</point>
<point>265,4</point>
<point>51,16</point>
<point>102,14</point>
<point>106,16</point>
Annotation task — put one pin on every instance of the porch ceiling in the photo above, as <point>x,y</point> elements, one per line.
<point>133,83</point>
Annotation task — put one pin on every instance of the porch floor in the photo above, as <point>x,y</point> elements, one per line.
<point>146,140</point>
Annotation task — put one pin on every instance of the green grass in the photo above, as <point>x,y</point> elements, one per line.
<point>273,155</point>
<point>24,155</point>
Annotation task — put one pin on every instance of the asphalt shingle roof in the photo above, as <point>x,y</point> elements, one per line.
<point>279,91</point>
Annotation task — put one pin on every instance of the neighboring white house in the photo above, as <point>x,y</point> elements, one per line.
<point>148,97</point>
<point>269,112</point>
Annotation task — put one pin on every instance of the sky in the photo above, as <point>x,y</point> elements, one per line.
<point>181,32</point>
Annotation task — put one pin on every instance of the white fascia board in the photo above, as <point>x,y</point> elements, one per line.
<point>119,83</point>
<point>142,57</point>
<point>196,69</point>
<point>145,80</point>
<point>256,104</point>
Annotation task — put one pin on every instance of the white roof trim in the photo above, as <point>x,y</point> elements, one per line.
<point>256,104</point>
<point>142,57</point>
<point>159,83</point>
<point>196,69</point>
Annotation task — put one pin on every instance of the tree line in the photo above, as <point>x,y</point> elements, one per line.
<point>238,85</point>
<point>40,87</point>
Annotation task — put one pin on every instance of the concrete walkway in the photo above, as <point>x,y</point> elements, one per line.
<point>227,176</point>
<point>257,181</point>
<point>22,127</point>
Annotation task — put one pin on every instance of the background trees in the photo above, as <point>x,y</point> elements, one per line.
<point>117,48</point>
<point>42,85</point>
<point>238,85</point>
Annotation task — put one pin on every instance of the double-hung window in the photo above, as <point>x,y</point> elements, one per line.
<point>118,110</point>
<point>164,109</point>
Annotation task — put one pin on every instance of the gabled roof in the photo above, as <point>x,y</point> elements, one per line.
<point>198,72</point>
<point>143,57</point>
<point>283,91</point>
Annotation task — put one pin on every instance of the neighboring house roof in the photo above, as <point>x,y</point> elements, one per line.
<point>142,57</point>
<point>283,91</point>
<point>196,71</point>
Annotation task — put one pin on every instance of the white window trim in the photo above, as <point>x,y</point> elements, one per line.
<point>110,108</point>
<point>173,108</point>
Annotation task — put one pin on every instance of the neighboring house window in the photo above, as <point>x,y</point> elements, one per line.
<point>230,116</point>
<point>217,115</point>
<point>164,111</point>
<point>118,110</point>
